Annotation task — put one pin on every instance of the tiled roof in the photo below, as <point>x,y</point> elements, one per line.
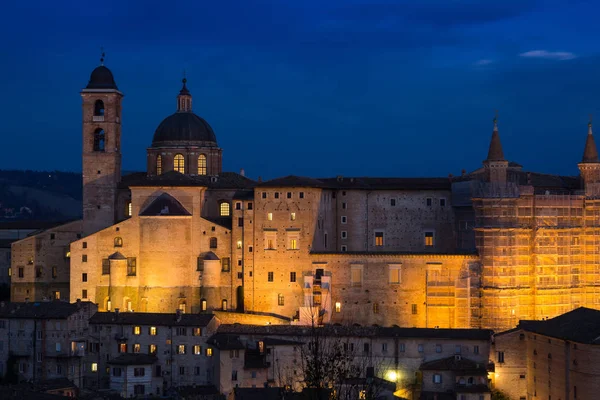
<point>44,310</point>
<point>243,195</point>
<point>292,181</point>
<point>457,364</point>
<point>30,224</point>
<point>225,180</point>
<point>166,205</point>
<point>226,342</point>
<point>360,183</point>
<point>224,222</point>
<point>581,325</point>
<point>395,253</point>
<point>134,359</point>
<point>368,331</point>
<point>151,319</point>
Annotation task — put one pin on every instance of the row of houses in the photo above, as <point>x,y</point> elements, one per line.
<point>141,354</point>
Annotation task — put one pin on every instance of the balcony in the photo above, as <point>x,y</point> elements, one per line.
<point>98,118</point>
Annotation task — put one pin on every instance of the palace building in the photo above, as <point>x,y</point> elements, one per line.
<point>483,250</point>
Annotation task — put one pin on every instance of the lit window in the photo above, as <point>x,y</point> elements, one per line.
<point>338,306</point>
<point>158,165</point>
<point>182,307</point>
<point>54,272</point>
<point>118,242</point>
<point>395,274</point>
<point>137,348</point>
<point>179,164</point>
<point>197,349</point>
<point>94,367</point>
<point>378,239</point>
<point>293,244</point>
<point>224,305</point>
<point>152,349</point>
<point>208,352</point>
<point>224,209</point>
<point>122,347</point>
<point>181,349</point>
<point>56,295</point>
<point>137,330</point>
<point>152,331</point>
<point>280,300</point>
<point>375,309</point>
<point>201,164</point>
<point>239,244</point>
<point>203,305</point>
<point>129,209</point>
<point>356,275</point>
<point>197,332</point>
<point>293,216</point>
<point>429,239</point>
<point>270,216</point>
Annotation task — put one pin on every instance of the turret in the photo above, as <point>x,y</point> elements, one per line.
<point>495,164</point>
<point>589,166</point>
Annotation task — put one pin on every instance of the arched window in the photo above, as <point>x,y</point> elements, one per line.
<point>201,164</point>
<point>179,163</point>
<point>224,305</point>
<point>224,209</point>
<point>99,108</point>
<point>158,165</point>
<point>99,140</point>
<point>118,242</point>
<point>182,306</point>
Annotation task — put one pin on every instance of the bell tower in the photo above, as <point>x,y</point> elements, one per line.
<point>101,130</point>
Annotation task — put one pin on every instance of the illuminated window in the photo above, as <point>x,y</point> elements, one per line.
<point>179,163</point>
<point>197,332</point>
<point>225,264</point>
<point>395,274</point>
<point>292,216</point>
<point>129,210</point>
<point>239,244</point>
<point>94,367</point>
<point>356,275</point>
<point>280,299</point>
<point>56,295</point>
<point>68,254</point>
<point>122,347</point>
<point>158,165</point>
<point>224,209</point>
<point>378,239</point>
<point>201,164</point>
<point>99,139</point>
<point>338,306</point>
<point>152,331</point>
<point>118,242</point>
<point>181,349</point>
<point>54,272</point>
<point>137,330</point>
<point>203,305</point>
<point>137,348</point>
<point>152,349</point>
<point>362,394</point>
<point>9,271</point>
<point>224,305</point>
<point>182,307</point>
<point>131,266</point>
<point>429,239</point>
<point>293,244</point>
<point>208,352</point>
<point>375,309</point>
<point>270,216</point>
<point>197,350</point>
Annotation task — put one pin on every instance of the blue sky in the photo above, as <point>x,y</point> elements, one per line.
<point>315,88</point>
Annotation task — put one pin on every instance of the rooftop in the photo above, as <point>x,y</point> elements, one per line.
<point>134,359</point>
<point>151,319</point>
<point>581,325</point>
<point>457,364</point>
<point>41,310</point>
<point>225,180</point>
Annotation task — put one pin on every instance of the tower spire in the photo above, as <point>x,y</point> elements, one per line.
<point>590,152</point>
<point>495,152</point>
<point>184,99</point>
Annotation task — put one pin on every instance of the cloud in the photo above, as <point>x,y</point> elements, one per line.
<point>549,55</point>
<point>483,62</point>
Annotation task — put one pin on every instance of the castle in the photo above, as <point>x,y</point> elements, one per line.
<point>485,249</point>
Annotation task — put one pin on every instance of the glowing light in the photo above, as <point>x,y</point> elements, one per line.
<point>391,376</point>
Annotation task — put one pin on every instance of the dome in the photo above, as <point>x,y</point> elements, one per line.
<point>101,78</point>
<point>184,129</point>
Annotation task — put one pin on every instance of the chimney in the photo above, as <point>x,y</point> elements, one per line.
<point>178,315</point>
<point>242,172</point>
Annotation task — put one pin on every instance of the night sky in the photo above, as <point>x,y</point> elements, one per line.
<point>311,87</point>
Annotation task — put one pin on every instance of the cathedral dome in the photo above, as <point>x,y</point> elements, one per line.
<point>101,78</point>
<point>184,129</point>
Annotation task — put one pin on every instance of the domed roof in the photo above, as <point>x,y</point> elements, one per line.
<point>184,129</point>
<point>101,78</point>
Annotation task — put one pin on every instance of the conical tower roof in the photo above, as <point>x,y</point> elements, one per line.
<point>495,152</point>
<point>590,153</point>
